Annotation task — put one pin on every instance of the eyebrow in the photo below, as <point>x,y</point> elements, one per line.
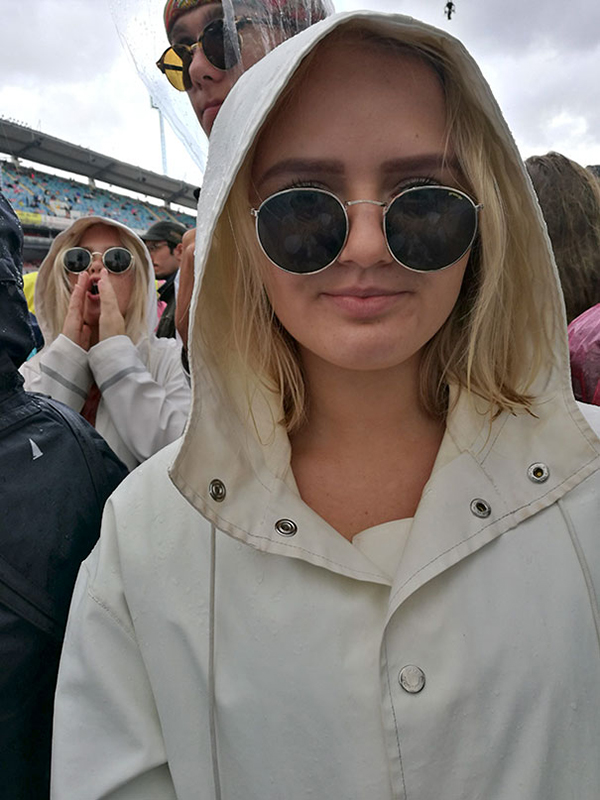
<point>300,166</point>
<point>407,165</point>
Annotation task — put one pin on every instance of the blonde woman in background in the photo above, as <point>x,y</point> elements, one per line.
<point>96,306</point>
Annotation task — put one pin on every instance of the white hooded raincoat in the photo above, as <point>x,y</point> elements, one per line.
<point>145,392</point>
<point>225,642</point>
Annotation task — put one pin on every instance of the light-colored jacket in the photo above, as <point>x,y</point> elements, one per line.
<point>225,642</point>
<point>145,393</point>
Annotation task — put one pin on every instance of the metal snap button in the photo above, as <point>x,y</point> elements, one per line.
<point>412,679</point>
<point>286,527</point>
<point>481,508</point>
<point>538,472</point>
<point>217,490</point>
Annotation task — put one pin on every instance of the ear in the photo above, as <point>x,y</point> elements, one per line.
<point>178,251</point>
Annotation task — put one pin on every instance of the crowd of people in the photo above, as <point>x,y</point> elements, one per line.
<point>332,490</point>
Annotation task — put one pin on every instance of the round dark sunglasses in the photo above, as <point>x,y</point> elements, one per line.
<point>175,62</point>
<point>115,259</point>
<point>427,228</point>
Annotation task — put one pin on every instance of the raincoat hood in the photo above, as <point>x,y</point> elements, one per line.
<point>71,236</point>
<point>16,336</point>
<point>246,450</point>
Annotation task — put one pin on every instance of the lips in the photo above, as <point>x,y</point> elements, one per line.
<point>365,291</point>
<point>365,302</point>
<point>209,112</point>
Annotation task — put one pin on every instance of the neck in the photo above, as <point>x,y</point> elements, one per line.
<point>367,447</point>
<point>354,409</point>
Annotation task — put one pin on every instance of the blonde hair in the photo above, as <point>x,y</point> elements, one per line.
<point>498,336</point>
<point>58,288</point>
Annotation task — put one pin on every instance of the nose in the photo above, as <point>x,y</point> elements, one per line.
<point>366,245</point>
<point>201,70</point>
<point>97,264</point>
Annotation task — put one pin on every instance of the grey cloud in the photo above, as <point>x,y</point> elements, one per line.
<point>45,41</point>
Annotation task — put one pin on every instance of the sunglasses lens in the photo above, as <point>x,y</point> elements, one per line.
<point>218,47</point>
<point>77,259</point>
<point>430,227</point>
<point>117,259</point>
<point>302,230</point>
<point>175,63</point>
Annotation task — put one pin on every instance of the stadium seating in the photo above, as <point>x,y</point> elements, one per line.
<point>30,190</point>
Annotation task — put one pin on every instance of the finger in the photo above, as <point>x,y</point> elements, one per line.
<point>77,299</point>
<point>74,316</point>
<point>106,290</point>
<point>188,238</point>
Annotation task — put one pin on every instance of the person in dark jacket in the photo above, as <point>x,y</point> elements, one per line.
<point>56,473</point>
<point>163,240</point>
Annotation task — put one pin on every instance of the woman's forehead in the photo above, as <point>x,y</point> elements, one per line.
<point>355,101</point>
<point>101,232</point>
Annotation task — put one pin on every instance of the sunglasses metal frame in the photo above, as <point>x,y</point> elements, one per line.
<point>187,50</point>
<point>345,204</point>
<point>94,253</point>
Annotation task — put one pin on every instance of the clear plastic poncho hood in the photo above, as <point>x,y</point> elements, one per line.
<point>141,27</point>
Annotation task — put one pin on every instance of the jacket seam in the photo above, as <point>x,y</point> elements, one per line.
<point>299,549</point>
<point>108,610</point>
<point>479,531</point>
<point>585,570</point>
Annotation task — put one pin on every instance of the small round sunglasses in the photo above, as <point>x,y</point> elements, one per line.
<point>427,228</point>
<point>116,259</point>
<point>175,62</point>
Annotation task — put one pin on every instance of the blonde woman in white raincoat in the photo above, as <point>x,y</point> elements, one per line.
<point>380,574</point>
<point>96,306</point>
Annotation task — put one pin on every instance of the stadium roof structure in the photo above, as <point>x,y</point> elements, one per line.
<point>22,142</point>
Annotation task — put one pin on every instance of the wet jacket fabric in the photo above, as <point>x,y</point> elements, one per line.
<point>55,476</point>
<point>145,394</point>
<point>584,349</point>
<point>247,651</point>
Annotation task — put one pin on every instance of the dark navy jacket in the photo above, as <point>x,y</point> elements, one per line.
<point>56,473</point>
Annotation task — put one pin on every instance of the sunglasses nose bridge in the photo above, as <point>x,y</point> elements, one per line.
<point>96,264</point>
<point>365,243</point>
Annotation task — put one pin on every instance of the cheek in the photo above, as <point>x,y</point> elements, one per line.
<point>123,285</point>
<point>444,291</point>
<point>286,292</point>
<point>254,49</point>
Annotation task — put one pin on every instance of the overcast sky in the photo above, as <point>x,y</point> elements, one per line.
<point>65,72</point>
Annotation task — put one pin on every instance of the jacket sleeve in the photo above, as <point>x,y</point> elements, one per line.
<point>148,404</point>
<point>107,742</point>
<point>60,370</point>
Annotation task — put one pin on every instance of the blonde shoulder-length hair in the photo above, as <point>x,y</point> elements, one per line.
<point>500,332</point>
<point>58,288</point>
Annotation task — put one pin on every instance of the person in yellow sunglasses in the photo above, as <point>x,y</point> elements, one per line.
<point>212,43</point>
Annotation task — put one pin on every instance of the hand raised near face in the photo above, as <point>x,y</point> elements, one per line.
<point>111,321</point>
<point>186,286</point>
<point>74,327</point>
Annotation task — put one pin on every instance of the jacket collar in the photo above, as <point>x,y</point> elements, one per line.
<point>495,471</point>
